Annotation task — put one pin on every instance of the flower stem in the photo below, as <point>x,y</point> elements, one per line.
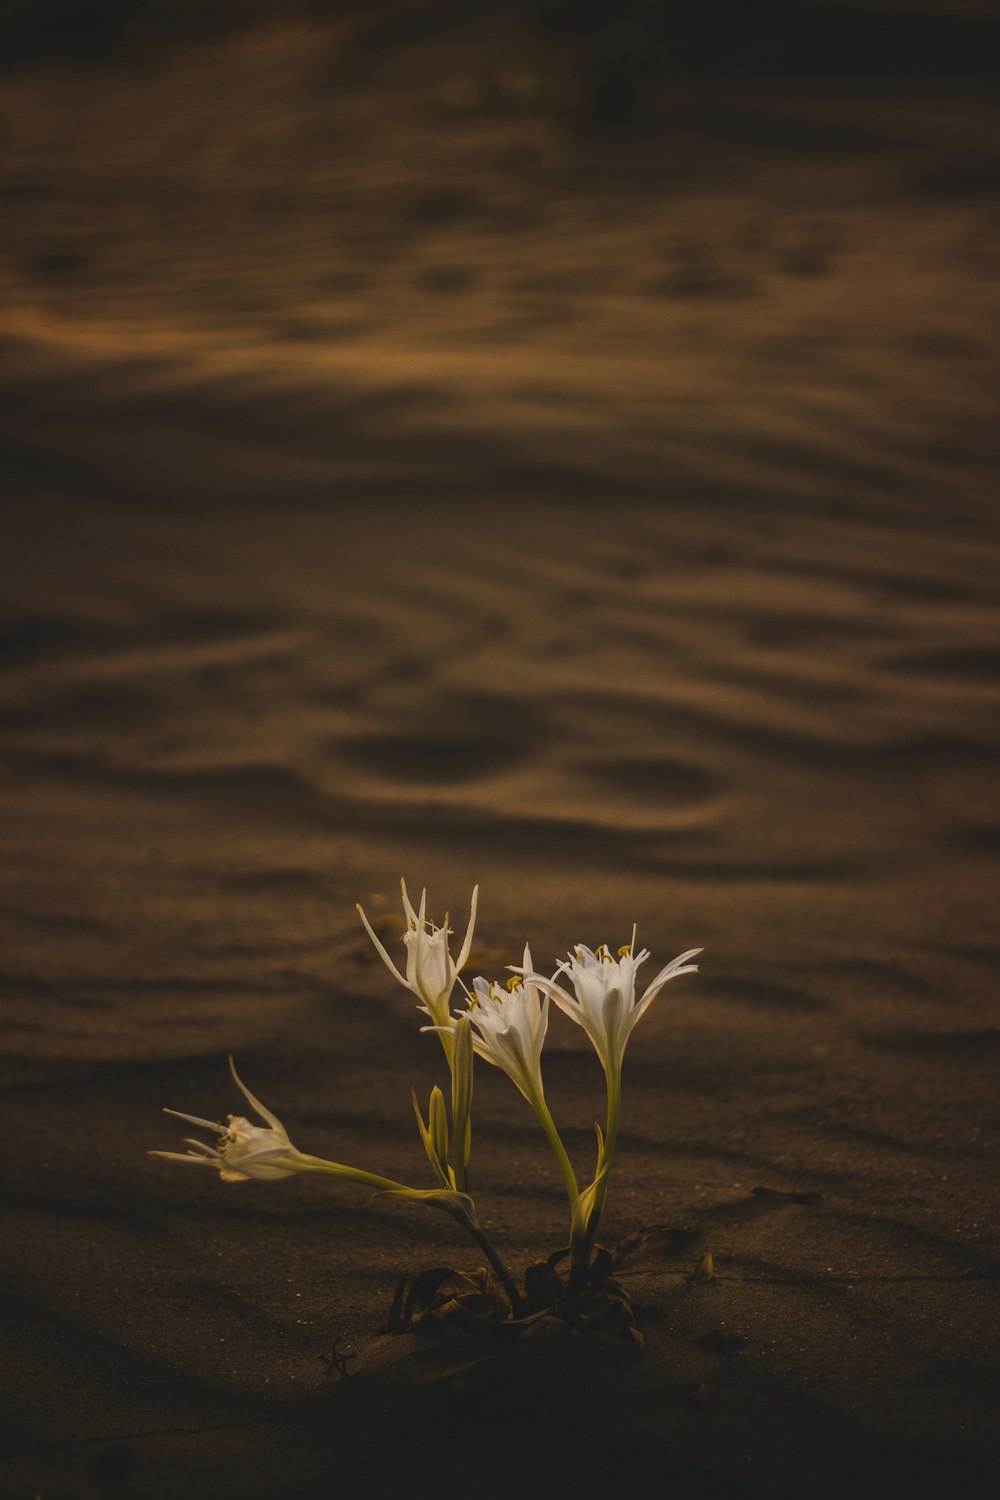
<point>554,1139</point>
<point>504,1277</point>
<point>460,1062</point>
<point>446,1039</point>
<point>607,1157</point>
<point>614,1115</point>
<point>304,1163</point>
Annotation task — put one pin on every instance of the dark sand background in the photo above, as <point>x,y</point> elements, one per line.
<point>552,447</point>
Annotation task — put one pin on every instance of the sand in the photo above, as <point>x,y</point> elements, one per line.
<point>400,479</point>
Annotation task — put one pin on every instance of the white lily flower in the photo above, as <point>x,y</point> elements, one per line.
<point>430,969</point>
<point>243,1150</point>
<point>509,1027</point>
<point>604,1002</point>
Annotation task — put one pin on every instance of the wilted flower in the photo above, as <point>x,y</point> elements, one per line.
<point>243,1150</point>
<point>604,1002</point>
<point>509,1027</point>
<point>430,969</point>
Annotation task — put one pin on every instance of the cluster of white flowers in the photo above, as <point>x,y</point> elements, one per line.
<point>504,1024</point>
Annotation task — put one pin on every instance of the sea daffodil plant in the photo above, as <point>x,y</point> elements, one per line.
<point>603,1002</point>
<point>505,1025</point>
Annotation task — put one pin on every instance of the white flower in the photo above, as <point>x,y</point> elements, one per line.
<point>509,1028</point>
<point>430,969</point>
<point>604,1002</point>
<point>243,1150</point>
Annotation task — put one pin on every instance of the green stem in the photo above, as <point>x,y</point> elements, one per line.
<point>554,1139</point>
<point>607,1156</point>
<point>445,1038</point>
<point>504,1277</point>
<point>614,1115</point>
<point>304,1163</point>
<point>460,1061</point>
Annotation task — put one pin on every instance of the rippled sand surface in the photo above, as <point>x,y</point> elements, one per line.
<point>402,481</point>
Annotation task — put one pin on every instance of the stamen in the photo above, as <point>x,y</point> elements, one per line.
<point>625,951</point>
<point>514,983</point>
<point>199,1146</point>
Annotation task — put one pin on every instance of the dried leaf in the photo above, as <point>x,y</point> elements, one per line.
<point>705,1269</point>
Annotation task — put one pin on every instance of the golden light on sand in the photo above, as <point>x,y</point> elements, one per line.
<point>552,446</point>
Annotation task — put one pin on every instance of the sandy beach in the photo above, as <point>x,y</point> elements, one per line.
<point>435,445</point>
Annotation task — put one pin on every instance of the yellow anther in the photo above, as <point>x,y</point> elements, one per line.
<point>514,983</point>
<point>625,951</point>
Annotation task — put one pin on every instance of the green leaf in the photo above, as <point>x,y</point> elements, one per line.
<point>461,1097</point>
<point>459,1204</point>
<point>438,1128</point>
<point>439,1163</point>
<point>589,1202</point>
<point>424,1133</point>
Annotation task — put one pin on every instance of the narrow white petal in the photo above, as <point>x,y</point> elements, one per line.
<point>198,1161</point>
<point>261,1109</point>
<point>672,971</point>
<point>381,950</point>
<point>418,946</point>
<point>563,999</point>
<point>612,1013</point>
<point>202,1148</point>
<point>411,916</point>
<point>673,968</point>
<point>466,948</point>
<point>194,1120</point>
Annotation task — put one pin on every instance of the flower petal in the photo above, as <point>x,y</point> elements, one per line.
<point>188,1156</point>
<point>672,971</point>
<point>215,1125</point>
<point>466,948</point>
<point>381,950</point>
<point>411,916</point>
<point>674,967</point>
<point>252,1099</point>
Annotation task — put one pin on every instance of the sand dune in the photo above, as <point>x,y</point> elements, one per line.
<point>608,519</point>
